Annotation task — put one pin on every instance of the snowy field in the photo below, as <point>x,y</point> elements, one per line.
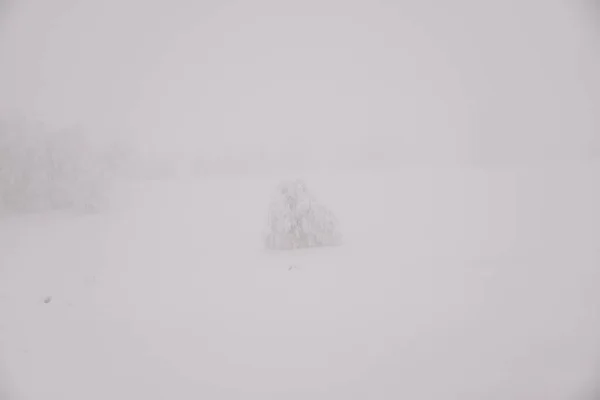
<point>450,284</point>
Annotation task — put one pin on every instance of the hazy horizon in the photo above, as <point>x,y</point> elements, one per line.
<point>319,199</point>
<point>501,82</point>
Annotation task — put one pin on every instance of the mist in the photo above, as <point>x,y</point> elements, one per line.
<point>299,200</point>
<point>323,82</point>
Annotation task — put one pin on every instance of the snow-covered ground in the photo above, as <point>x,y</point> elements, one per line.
<point>450,284</point>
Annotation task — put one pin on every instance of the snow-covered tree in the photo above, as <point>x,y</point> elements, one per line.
<point>296,220</point>
<point>41,170</point>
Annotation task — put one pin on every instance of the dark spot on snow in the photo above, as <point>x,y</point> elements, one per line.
<point>48,299</point>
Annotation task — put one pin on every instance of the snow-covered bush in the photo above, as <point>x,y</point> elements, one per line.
<point>42,170</point>
<point>296,220</point>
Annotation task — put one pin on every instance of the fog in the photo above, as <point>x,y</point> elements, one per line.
<point>299,200</point>
<point>321,81</point>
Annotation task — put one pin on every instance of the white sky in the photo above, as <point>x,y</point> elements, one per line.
<point>426,81</point>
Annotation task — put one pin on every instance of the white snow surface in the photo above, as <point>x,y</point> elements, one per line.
<point>450,284</point>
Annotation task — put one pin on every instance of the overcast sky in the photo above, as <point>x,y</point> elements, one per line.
<point>426,80</point>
